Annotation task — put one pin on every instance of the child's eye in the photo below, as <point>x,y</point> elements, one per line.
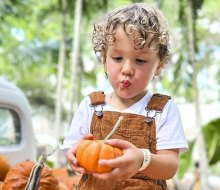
<point>118,58</point>
<point>140,61</point>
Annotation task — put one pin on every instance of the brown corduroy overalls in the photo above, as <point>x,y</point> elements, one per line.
<point>137,129</point>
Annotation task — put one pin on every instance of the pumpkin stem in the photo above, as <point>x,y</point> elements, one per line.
<point>34,178</point>
<point>113,130</point>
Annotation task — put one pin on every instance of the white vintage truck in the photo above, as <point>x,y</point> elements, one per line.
<point>17,141</point>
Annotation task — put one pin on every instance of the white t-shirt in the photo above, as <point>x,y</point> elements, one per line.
<point>169,130</point>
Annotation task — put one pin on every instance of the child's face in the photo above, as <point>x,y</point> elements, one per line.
<point>129,70</point>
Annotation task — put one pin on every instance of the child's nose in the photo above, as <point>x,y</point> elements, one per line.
<point>128,68</point>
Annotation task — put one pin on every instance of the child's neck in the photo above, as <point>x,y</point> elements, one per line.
<point>121,104</point>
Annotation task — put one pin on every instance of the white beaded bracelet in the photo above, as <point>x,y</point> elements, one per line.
<point>147,159</point>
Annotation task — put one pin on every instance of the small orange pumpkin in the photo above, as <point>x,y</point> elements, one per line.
<point>4,167</point>
<point>89,152</point>
<point>18,176</point>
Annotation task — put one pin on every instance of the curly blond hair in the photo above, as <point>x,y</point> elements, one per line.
<point>144,23</point>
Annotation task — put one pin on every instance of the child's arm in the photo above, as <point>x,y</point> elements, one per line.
<point>163,165</point>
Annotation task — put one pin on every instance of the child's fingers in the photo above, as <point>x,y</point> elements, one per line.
<point>115,174</point>
<point>118,162</point>
<point>71,158</point>
<point>78,169</point>
<point>88,136</point>
<point>74,163</point>
<point>105,176</point>
<point>119,143</point>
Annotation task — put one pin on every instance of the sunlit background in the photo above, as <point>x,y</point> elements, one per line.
<point>46,50</point>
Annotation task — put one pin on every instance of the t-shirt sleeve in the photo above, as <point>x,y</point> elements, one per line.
<point>170,133</point>
<point>80,125</point>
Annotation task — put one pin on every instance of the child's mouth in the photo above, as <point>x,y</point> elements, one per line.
<point>125,84</point>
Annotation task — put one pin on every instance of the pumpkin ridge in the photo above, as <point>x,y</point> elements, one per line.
<point>99,157</point>
<point>93,155</point>
<point>106,152</point>
<point>80,151</point>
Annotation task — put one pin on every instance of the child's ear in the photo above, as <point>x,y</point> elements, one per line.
<point>158,70</point>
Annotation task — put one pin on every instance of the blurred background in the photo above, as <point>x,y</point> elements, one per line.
<point>46,51</point>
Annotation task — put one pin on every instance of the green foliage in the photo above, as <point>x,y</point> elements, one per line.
<point>185,161</point>
<point>196,6</point>
<point>92,7</point>
<point>11,7</point>
<point>30,32</point>
<point>205,13</point>
<point>50,163</point>
<point>89,8</point>
<point>211,132</point>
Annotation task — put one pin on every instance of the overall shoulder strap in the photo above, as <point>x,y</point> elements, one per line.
<point>97,98</point>
<point>157,102</point>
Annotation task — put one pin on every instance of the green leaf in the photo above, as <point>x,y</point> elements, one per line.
<point>185,161</point>
<point>211,132</point>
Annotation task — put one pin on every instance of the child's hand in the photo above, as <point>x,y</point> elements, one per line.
<point>71,156</point>
<point>125,166</point>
